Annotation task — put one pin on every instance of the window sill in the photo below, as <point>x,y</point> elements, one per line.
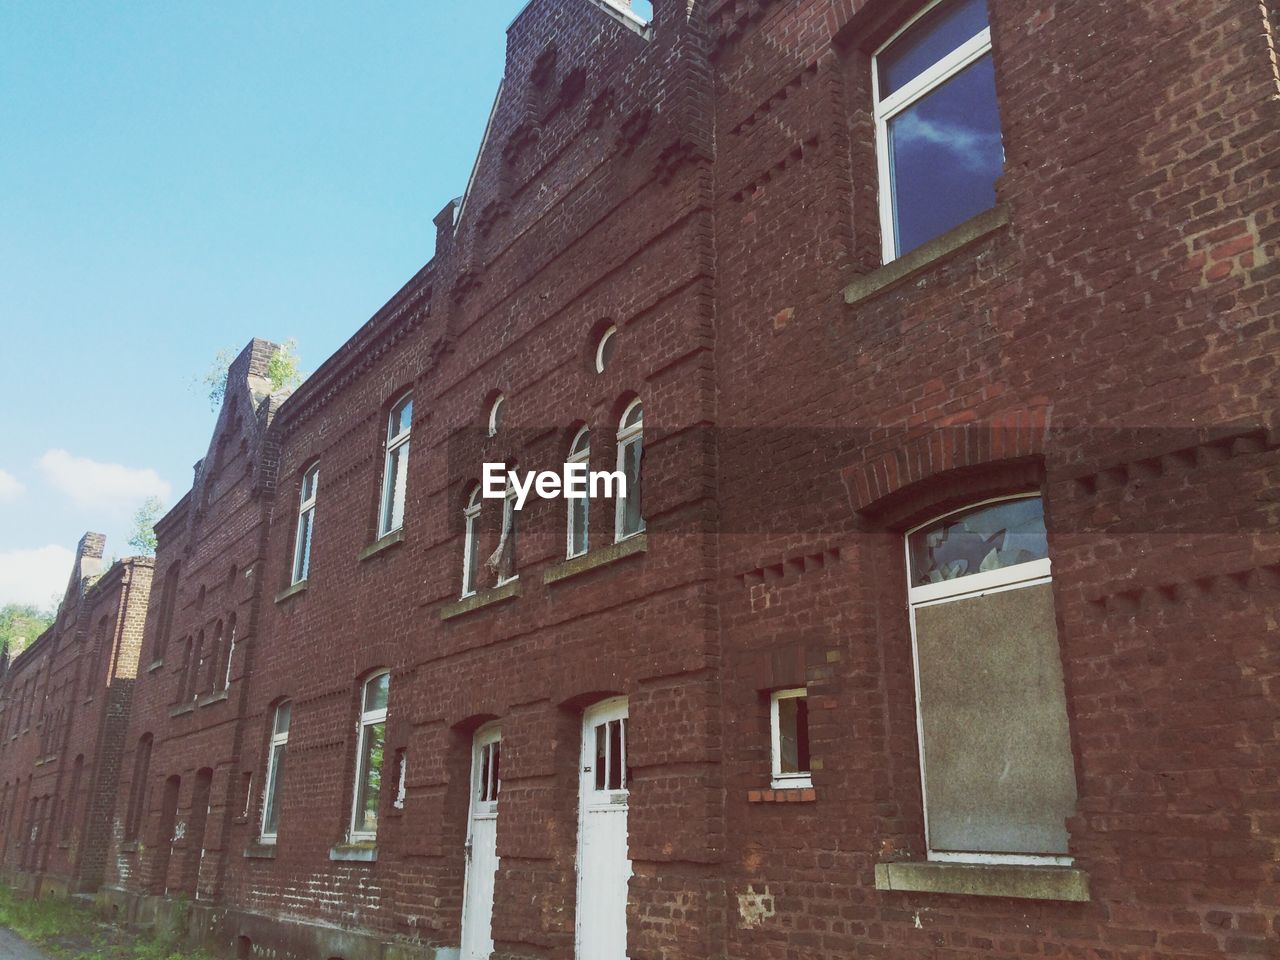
<point>985,880</point>
<point>354,852</point>
<point>293,591</point>
<point>129,846</point>
<point>155,665</point>
<point>392,539</point>
<point>787,795</point>
<point>260,851</point>
<point>925,255</point>
<point>484,598</point>
<point>637,543</point>
<point>212,698</point>
<point>182,708</point>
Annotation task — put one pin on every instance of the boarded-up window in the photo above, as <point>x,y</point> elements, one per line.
<point>997,772</point>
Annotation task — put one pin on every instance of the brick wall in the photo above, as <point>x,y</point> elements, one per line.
<point>707,184</point>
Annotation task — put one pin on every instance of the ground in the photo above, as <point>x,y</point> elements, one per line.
<point>61,929</point>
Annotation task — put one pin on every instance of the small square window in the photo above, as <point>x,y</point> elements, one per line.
<point>789,719</point>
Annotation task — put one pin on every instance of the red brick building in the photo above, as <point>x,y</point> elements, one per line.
<point>942,343</point>
<point>64,712</point>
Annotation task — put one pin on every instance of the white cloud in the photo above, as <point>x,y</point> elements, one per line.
<point>106,487</point>
<point>10,488</point>
<point>34,576</point>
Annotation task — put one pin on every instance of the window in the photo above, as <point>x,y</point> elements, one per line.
<point>610,767</point>
<point>471,543</point>
<point>73,798</point>
<point>627,518</point>
<point>371,742</point>
<point>495,415</point>
<point>396,471</point>
<point>506,552</point>
<point>997,771</point>
<point>579,508</point>
<point>605,347</point>
<point>138,788</point>
<point>275,771</point>
<point>168,598</point>
<point>306,523</point>
<point>789,722</point>
<point>937,124</point>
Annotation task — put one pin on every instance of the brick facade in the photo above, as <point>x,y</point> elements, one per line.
<point>64,711</point>
<point>1107,336</point>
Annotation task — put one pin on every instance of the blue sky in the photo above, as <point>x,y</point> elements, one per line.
<point>178,178</point>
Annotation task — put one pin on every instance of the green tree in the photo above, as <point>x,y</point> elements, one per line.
<point>144,526</point>
<point>20,624</point>
<point>282,370</point>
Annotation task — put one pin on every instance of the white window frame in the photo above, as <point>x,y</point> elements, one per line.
<point>278,742</point>
<point>508,529</point>
<point>368,718</point>
<point>495,409</point>
<point>470,541</point>
<point>1030,574</point>
<point>601,344</point>
<point>928,80</point>
<point>394,443</point>
<point>306,508</point>
<point>780,780</point>
<point>582,456</point>
<point>628,436</point>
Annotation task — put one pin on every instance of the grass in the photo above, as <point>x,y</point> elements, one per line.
<point>69,930</point>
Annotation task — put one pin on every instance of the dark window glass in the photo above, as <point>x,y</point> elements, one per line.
<point>945,155</point>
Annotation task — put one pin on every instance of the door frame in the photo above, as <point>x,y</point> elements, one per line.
<point>613,708</point>
<point>489,733</point>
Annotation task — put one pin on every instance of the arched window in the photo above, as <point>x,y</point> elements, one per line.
<point>370,746</point>
<point>495,414</point>
<point>505,555</point>
<point>275,771</point>
<point>579,508</point>
<point>471,543</point>
<point>628,520</point>
<point>605,347</point>
<point>395,473</point>
<point>168,599</point>
<point>73,798</point>
<point>231,651</point>
<point>138,787</point>
<point>306,523</point>
<point>997,770</point>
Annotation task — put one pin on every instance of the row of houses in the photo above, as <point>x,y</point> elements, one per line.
<point>937,344</point>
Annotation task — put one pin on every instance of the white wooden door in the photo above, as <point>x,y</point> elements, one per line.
<point>482,845</point>
<point>604,868</point>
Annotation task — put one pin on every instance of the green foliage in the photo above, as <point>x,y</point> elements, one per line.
<point>68,930</point>
<point>21,623</point>
<point>144,526</point>
<point>282,371</point>
<point>282,368</point>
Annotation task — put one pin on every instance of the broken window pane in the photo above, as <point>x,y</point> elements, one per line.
<point>990,537</point>
<point>602,755</point>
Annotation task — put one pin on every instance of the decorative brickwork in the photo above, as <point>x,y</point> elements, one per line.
<point>1107,335</point>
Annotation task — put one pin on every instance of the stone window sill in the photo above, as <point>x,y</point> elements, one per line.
<point>392,539</point>
<point>593,560</point>
<point>788,795</point>
<point>985,880</point>
<point>155,665</point>
<point>182,708</point>
<point>260,851</point>
<point>484,598</point>
<point>354,852</point>
<point>212,698</point>
<point>293,591</point>
<point>909,265</point>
